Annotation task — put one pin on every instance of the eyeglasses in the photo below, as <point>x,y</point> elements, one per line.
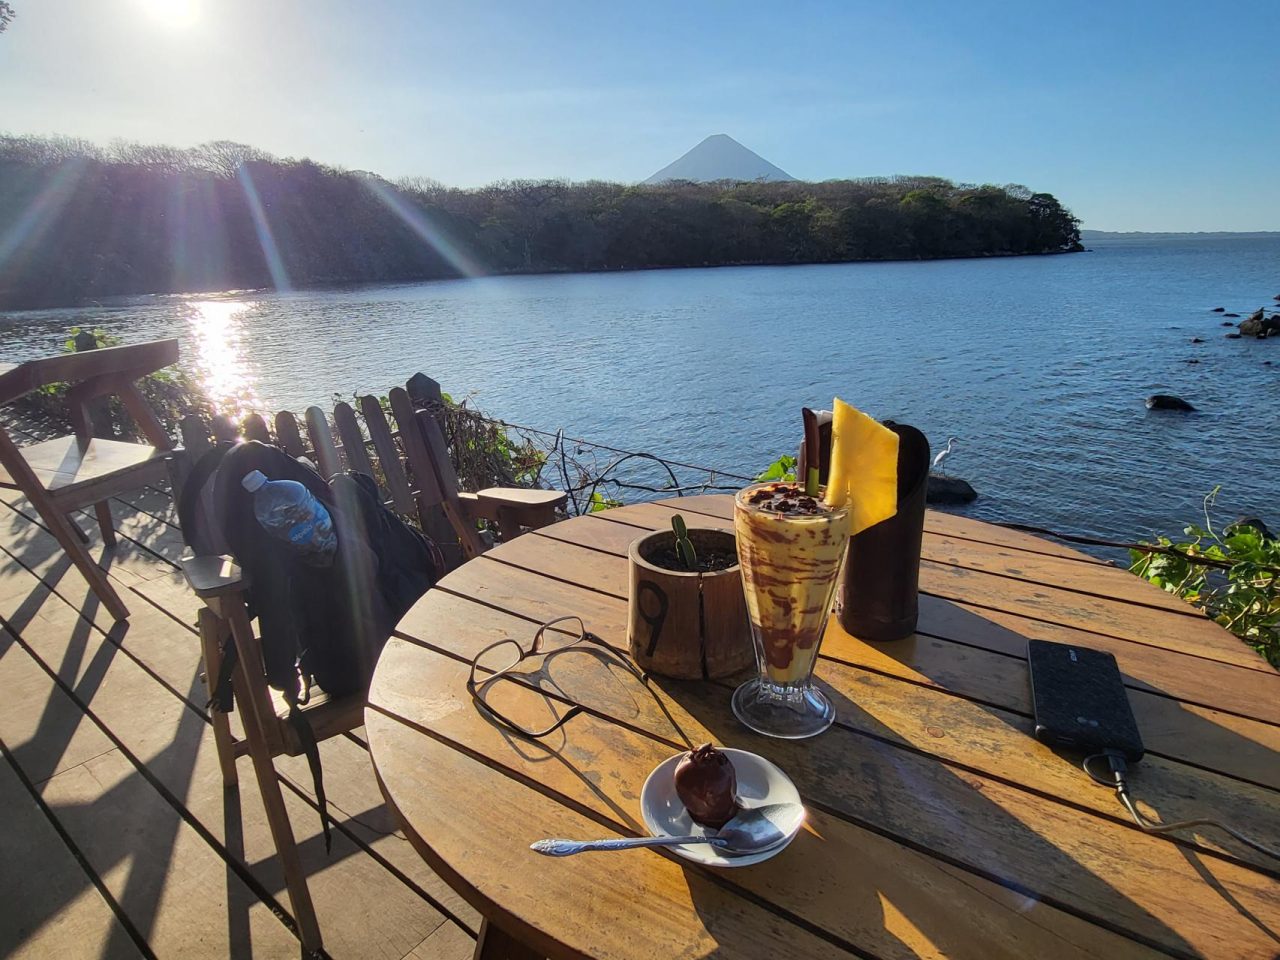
<point>498,660</point>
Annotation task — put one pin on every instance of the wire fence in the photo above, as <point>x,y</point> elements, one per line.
<point>596,476</point>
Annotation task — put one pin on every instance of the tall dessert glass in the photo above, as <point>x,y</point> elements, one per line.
<point>790,547</point>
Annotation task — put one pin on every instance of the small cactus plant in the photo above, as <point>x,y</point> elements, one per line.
<point>684,546</point>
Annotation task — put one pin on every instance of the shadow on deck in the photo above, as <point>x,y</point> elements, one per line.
<point>119,838</point>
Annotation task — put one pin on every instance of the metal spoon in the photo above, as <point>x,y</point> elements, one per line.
<point>751,831</point>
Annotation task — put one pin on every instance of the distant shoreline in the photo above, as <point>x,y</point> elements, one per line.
<point>126,298</point>
<point>1170,234</point>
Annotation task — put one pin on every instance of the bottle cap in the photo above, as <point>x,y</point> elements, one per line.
<point>253,480</point>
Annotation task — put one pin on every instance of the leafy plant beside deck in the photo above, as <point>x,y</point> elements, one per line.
<point>1232,575</point>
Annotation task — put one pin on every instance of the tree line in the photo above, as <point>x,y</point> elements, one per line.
<point>80,222</point>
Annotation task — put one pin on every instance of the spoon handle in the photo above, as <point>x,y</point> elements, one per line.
<point>567,848</point>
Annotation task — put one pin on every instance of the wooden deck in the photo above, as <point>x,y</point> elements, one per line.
<point>118,840</point>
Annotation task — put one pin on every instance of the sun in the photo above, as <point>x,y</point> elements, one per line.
<point>173,13</point>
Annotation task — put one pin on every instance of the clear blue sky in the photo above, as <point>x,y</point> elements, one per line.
<point>1137,115</point>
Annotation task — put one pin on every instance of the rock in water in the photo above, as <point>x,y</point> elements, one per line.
<point>1259,326</point>
<point>949,491</point>
<point>1218,310</point>
<point>1233,336</point>
<point>1167,401</point>
<point>1256,315</point>
<point>1197,340</point>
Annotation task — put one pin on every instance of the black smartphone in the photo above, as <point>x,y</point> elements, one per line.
<point>1080,700</point>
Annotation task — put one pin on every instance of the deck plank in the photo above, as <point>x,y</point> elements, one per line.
<point>150,638</point>
<point>170,883</point>
<point>51,907</point>
<point>172,652</point>
<point>47,734</point>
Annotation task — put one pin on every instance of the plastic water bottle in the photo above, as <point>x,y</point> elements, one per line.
<point>287,510</point>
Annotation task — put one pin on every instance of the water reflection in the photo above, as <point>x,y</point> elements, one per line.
<point>221,358</point>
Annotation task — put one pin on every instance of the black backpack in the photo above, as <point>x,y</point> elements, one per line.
<point>321,625</point>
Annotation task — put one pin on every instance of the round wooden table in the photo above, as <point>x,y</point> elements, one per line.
<point>938,825</point>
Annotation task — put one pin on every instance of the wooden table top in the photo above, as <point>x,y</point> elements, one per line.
<point>938,825</point>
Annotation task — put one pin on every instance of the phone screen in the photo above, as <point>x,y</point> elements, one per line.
<point>1080,699</point>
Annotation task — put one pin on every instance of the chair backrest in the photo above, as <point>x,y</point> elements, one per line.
<point>428,457</point>
<point>384,444</point>
<point>326,451</point>
<point>409,461</point>
<point>131,362</point>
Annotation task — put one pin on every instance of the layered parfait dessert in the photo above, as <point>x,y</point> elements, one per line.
<point>792,538</point>
<point>789,546</point>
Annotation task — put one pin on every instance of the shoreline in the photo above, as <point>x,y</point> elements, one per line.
<point>125,298</point>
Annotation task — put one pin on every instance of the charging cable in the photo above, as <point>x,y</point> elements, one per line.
<point>1117,780</point>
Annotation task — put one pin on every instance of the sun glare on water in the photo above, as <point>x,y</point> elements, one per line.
<point>173,13</point>
<point>221,356</point>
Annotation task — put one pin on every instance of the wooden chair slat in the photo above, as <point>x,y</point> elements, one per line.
<point>195,443</point>
<point>426,393</point>
<point>443,519</point>
<point>255,428</point>
<point>327,458</point>
<point>414,428</point>
<point>384,445</point>
<point>352,439</point>
<point>224,428</point>
<point>288,435</point>
<point>425,472</point>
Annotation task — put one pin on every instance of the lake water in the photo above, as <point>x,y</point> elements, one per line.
<point>1037,365</point>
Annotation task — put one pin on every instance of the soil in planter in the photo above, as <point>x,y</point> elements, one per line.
<point>709,561</point>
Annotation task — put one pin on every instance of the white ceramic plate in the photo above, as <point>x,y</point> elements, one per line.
<point>759,783</point>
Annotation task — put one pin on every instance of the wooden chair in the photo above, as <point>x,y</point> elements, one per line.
<point>224,620</point>
<point>66,474</point>
<point>511,509</point>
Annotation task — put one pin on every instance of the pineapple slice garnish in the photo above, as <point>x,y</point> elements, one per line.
<point>864,467</point>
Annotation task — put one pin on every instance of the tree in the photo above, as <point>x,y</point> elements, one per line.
<point>132,219</point>
<point>6,14</point>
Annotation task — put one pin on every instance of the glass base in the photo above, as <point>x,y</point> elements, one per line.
<point>781,712</point>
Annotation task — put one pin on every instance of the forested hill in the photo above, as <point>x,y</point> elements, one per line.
<point>78,223</point>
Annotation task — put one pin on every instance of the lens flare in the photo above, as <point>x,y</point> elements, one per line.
<point>262,226</point>
<point>417,220</point>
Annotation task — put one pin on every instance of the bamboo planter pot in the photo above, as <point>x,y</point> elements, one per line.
<point>682,624</point>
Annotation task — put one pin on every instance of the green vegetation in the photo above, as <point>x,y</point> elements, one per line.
<point>684,546</point>
<point>784,468</point>
<point>1233,576</point>
<point>89,222</point>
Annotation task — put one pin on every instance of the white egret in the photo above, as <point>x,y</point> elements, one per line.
<point>943,454</point>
